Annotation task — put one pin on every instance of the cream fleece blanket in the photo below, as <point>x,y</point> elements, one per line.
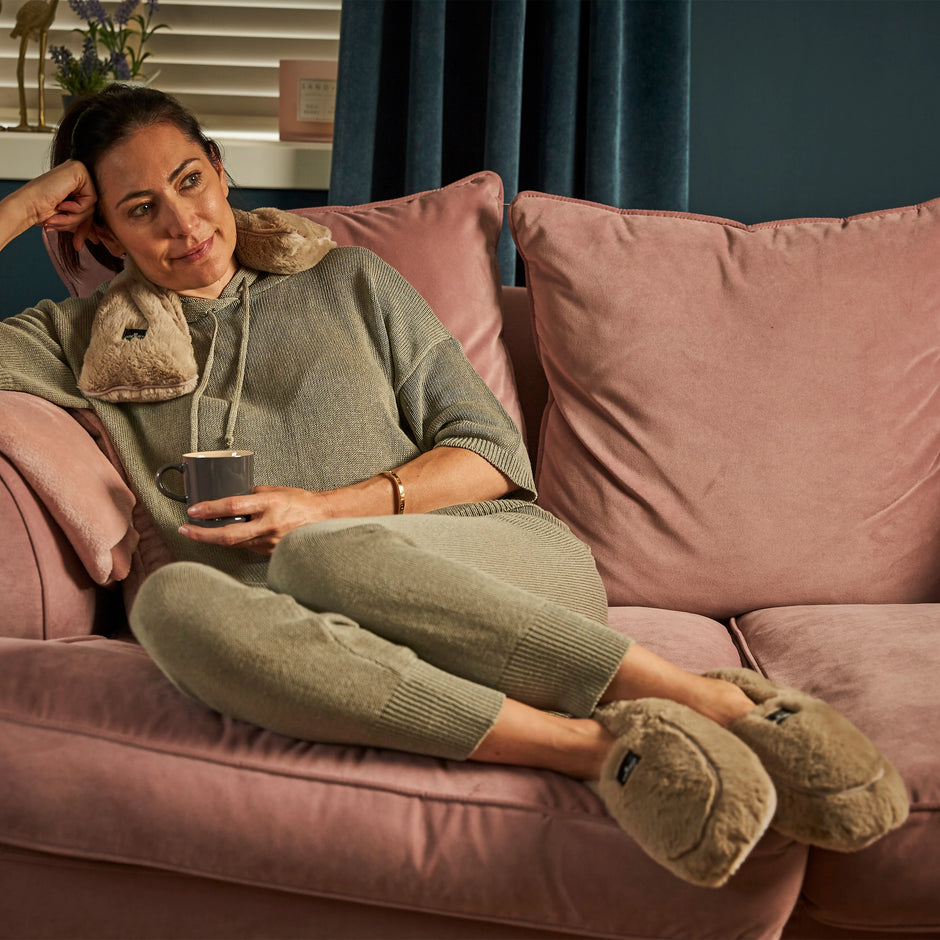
<point>83,492</point>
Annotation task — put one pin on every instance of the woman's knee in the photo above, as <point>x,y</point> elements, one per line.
<point>319,563</point>
<point>164,600</point>
<point>185,610</point>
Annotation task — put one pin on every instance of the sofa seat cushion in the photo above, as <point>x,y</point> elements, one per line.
<point>880,666</point>
<point>740,417</point>
<point>690,641</point>
<point>104,760</point>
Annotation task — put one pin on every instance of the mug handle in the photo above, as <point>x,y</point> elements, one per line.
<point>178,467</point>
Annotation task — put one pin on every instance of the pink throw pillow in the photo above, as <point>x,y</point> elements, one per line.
<point>740,416</point>
<point>443,242</point>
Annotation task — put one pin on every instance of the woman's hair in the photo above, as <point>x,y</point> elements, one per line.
<point>93,125</point>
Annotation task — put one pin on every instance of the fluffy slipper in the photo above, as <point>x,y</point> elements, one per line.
<point>692,796</point>
<point>834,788</point>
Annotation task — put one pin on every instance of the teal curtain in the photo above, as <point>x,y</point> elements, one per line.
<point>584,98</point>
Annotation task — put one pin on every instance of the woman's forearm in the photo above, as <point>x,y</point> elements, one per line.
<point>14,218</point>
<point>62,199</point>
<point>444,476</point>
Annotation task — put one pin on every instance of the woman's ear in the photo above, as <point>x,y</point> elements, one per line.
<point>223,177</point>
<point>106,237</point>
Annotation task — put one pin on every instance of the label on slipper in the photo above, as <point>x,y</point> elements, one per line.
<point>780,715</point>
<point>627,766</point>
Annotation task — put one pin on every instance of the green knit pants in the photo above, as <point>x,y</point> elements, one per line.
<point>404,632</point>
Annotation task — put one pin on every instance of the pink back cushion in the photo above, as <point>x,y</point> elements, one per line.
<point>741,416</point>
<point>444,243</point>
<point>86,281</point>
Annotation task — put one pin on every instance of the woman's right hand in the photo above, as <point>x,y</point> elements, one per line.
<point>62,200</point>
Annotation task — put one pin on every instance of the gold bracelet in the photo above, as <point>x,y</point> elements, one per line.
<point>393,476</point>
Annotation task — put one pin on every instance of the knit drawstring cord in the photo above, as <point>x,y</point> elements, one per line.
<point>229,438</point>
<point>240,378</point>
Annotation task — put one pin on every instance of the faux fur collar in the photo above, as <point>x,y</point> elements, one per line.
<point>140,348</point>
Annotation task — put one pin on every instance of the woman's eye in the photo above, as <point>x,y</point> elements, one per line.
<point>141,210</point>
<point>191,180</point>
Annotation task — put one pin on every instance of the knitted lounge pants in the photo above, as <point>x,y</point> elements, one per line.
<point>404,632</point>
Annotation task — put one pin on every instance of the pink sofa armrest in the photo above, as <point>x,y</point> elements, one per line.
<point>45,589</point>
<point>65,520</point>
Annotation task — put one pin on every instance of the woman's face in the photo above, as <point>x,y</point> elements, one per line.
<point>165,204</point>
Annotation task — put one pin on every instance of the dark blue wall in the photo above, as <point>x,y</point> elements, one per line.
<point>813,107</point>
<point>26,274</point>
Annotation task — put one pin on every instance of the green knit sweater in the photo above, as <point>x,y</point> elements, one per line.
<point>348,372</point>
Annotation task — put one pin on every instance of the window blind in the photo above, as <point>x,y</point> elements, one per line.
<point>219,57</point>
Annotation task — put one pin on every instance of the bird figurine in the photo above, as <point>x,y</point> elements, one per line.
<point>33,20</point>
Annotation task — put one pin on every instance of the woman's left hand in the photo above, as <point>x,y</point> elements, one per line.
<point>274,511</point>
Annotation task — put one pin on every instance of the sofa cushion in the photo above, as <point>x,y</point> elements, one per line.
<point>879,665</point>
<point>103,759</point>
<point>689,641</point>
<point>443,242</point>
<point>741,416</point>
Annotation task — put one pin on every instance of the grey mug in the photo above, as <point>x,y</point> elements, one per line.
<point>211,474</point>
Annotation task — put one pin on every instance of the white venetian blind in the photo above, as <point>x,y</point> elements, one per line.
<point>220,57</point>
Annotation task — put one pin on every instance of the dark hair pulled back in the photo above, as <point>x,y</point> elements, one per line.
<point>93,125</point>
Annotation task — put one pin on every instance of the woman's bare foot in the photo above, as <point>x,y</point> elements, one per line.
<point>721,701</point>
<point>643,674</point>
<point>533,738</point>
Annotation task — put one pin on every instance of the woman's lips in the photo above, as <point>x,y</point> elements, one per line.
<point>198,253</point>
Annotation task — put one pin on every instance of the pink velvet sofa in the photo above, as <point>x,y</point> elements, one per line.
<point>744,424</point>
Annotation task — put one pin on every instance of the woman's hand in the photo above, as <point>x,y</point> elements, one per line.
<point>274,511</point>
<point>66,201</point>
<point>61,200</point>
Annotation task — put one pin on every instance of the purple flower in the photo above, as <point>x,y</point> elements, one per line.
<point>120,66</point>
<point>152,6</point>
<point>62,57</point>
<point>89,10</point>
<point>123,13</point>
<point>89,55</point>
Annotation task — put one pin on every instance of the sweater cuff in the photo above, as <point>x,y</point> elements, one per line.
<point>435,713</point>
<point>542,667</point>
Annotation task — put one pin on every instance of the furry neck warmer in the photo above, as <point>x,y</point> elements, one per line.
<point>140,348</point>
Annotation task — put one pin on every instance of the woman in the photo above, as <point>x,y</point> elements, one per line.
<point>395,584</point>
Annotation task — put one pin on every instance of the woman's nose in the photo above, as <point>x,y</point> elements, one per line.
<point>180,218</point>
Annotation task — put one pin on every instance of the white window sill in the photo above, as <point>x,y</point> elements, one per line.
<point>253,161</point>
